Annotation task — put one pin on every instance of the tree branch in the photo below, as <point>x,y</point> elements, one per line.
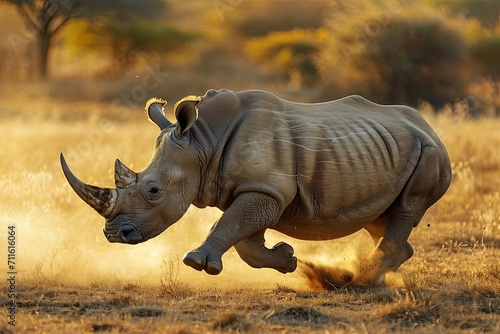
<point>56,11</point>
<point>64,20</point>
<point>49,11</point>
<point>27,17</point>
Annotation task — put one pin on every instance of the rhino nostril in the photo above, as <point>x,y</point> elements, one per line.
<point>125,230</point>
<point>129,234</point>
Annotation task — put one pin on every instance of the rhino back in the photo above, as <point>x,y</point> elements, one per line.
<point>338,163</point>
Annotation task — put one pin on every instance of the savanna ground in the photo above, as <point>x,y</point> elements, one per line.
<point>70,279</point>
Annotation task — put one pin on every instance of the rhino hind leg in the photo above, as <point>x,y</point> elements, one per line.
<point>253,251</point>
<point>390,232</point>
<point>391,250</point>
<point>377,229</point>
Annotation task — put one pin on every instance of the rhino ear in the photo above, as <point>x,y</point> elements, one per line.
<point>186,113</point>
<point>124,177</point>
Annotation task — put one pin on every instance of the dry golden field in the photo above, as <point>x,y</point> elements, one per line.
<point>71,280</point>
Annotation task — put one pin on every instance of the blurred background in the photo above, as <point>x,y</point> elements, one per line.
<point>391,51</point>
<point>74,77</point>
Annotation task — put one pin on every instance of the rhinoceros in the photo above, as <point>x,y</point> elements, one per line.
<point>310,171</point>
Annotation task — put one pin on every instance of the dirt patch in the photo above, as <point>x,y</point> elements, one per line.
<point>143,312</point>
<point>102,327</point>
<point>298,315</point>
<point>413,316</point>
<point>231,321</point>
<point>5,330</point>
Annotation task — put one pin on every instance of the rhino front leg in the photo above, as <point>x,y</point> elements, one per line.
<point>253,251</point>
<point>249,213</point>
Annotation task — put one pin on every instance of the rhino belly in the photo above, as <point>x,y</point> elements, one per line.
<point>328,220</point>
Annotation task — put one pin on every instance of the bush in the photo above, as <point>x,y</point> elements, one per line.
<point>396,54</point>
<point>486,54</point>
<point>291,53</point>
<point>485,11</point>
<point>259,18</point>
<point>123,41</point>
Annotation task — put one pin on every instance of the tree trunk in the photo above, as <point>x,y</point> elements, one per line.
<point>43,55</point>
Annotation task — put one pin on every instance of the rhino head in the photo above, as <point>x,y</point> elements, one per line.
<point>144,204</point>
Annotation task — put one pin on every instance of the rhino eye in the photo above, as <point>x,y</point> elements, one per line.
<point>153,190</point>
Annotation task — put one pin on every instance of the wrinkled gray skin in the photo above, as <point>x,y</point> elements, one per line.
<point>311,171</point>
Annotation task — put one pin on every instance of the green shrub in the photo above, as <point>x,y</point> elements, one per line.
<point>396,53</point>
<point>486,54</point>
<point>291,53</point>
<point>123,41</point>
<point>259,18</point>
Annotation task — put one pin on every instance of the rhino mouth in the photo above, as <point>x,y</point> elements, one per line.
<point>127,234</point>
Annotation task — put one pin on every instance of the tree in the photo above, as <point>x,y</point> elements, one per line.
<point>291,53</point>
<point>486,53</point>
<point>486,11</point>
<point>47,17</point>
<point>124,41</point>
<point>399,54</point>
<point>260,18</point>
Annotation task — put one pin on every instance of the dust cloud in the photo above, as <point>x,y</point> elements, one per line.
<point>334,272</point>
<point>325,273</point>
<point>70,248</point>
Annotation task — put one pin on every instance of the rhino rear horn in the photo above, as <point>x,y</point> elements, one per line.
<point>154,108</point>
<point>102,200</point>
<point>124,176</point>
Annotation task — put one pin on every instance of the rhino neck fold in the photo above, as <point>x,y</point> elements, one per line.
<point>210,145</point>
<point>205,144</point>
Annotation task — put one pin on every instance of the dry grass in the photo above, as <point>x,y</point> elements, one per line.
<point>72,280</point>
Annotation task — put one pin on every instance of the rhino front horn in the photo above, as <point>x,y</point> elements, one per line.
<point>102,200</point>
<point>124,176</point>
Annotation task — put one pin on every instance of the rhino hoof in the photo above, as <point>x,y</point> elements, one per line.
<point>195,261</point>
<point>290,268</point>
<point>293,266</point>
<point>284,249</point>
<point>288,262</point>
<point>214,268</point>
